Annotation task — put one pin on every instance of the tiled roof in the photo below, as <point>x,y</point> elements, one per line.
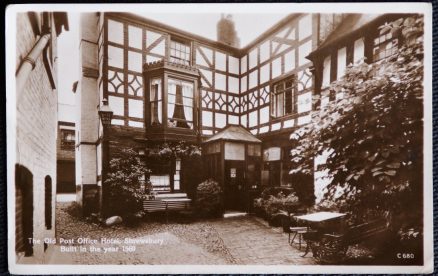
<point>234,133</point>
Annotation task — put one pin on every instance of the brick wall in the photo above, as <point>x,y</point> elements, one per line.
<point>87,100</point>
<point>36,132</point>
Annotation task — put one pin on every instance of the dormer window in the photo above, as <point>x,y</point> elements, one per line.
<point>180,52</point>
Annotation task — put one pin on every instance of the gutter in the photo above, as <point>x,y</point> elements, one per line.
<point>29,62</point>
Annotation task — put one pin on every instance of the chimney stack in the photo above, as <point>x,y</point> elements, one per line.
<point>226,31</point>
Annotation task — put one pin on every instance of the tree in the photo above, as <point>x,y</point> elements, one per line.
<point>375,136</point>
<point>128,183</point>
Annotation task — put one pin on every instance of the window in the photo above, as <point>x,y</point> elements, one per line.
<point>177,175</point>
<point>283,100</point>
<point>180,103</point>
<point>156,102</point>
<point>67,139</point>
<point>160,182</point>
<point>385,45</point>
<point>179,52</point>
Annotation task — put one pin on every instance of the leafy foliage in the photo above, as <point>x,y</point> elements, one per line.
<point>374,133</point>
<point>274,199</point>
<point>128,183</point>
<point>209,199</point>
<point>169,150</point>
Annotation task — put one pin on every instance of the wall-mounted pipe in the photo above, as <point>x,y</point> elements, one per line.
<point>29,62</point>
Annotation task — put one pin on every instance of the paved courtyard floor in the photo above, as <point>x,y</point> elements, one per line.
<point>251,241</point>
<point>237,240</point>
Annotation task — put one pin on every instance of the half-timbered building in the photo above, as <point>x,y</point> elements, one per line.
<point>166,85</point>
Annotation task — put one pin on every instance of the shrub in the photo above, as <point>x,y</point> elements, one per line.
<point>276,199</point>
<point>209,199</point>
<point>127,185</point>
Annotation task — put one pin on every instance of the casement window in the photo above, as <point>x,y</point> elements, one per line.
<point>385,45</point>
<point>67,139</point>
<point>156,102</point>
<point>283,99</point>
<point>179,52</point>
<point>180,103</point>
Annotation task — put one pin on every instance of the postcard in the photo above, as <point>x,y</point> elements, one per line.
<point>219,138</point>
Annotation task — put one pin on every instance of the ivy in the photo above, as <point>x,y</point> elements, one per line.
<point>375,136</point>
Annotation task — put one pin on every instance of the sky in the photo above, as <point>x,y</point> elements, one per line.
<point>248,26</point>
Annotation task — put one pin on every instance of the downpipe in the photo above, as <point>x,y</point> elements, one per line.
<point>29,62</point>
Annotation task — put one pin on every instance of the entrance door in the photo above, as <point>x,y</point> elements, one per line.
<point>234,188</point>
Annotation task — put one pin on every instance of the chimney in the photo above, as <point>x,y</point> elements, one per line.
<point>226,31</point>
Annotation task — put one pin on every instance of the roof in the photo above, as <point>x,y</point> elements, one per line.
<point>352,23</point>
<point>176,31</point>
<point>234,133</point>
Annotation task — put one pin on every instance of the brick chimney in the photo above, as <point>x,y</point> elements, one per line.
<point>226,31</point>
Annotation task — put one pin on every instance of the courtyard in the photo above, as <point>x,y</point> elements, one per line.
<point>227,241</point>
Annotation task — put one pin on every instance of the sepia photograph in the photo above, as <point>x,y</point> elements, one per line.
<point>274,138</point>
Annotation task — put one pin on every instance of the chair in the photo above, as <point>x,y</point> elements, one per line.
<point>290,227</point>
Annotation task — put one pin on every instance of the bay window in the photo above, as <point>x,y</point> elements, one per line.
<point>172,100</point>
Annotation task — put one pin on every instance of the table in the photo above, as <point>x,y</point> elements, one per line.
<point>318,218</point>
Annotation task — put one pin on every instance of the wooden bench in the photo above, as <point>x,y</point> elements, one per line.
<point>332,248</point>
<point>167,205</point>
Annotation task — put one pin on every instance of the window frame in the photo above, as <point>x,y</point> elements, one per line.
<point>183,106</point>
<point>377,43</point>
<point>157,101</point>
<point>65,143</point>
<point>178,59</point>
<point>293,88</point>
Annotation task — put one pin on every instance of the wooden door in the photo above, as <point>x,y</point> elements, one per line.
<point>235,185</point>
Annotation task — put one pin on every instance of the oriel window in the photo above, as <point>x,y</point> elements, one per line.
<point>284,98</point>
<point>156,102</point>
<point>180,103</point>
<point>179,52</point>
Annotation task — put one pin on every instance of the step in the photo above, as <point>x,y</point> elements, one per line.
<point>234,214</point>
<point>171,195</point>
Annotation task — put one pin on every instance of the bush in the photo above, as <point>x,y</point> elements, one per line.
<point>209,199</point>
<point>276,199</point>
<point>128,186</point>
<point>274,191</point>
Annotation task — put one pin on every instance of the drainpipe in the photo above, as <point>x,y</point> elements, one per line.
<point>29,62</point>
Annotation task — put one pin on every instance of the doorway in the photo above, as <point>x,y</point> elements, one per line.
<point>235,185</point>
<point>23,210</point>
